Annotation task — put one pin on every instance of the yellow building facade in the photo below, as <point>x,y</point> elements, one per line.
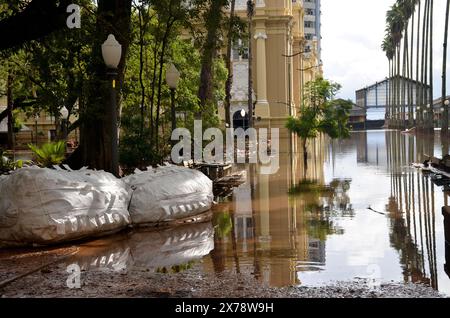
<point>281,67</point>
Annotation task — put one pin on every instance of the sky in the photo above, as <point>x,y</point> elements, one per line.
<point>352,33</point>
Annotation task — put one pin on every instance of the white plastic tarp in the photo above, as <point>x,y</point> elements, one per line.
<point>43,206</point>
<point>168,193</point>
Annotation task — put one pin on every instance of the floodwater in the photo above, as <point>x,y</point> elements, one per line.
<point>358,209</point>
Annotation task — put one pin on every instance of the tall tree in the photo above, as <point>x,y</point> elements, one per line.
<point>444,74</point>
<point>113,17</point>
<point>417,82</point>
<point>213,23</point>
<point>9,109</point>
<point>229,65</point>
<point>388,48</point>
<point>431,98</point>
<point>250,14</point>
<point>321,113</point>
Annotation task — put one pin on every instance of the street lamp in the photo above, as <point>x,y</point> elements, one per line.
<point>172,79</point>
<point>112,53</point>
<point>64,120</point>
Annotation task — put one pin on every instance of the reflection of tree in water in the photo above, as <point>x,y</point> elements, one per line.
<point>324,205</point>
<point>411,258</point>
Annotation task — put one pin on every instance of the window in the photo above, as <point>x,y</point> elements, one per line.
<point>309,24</point>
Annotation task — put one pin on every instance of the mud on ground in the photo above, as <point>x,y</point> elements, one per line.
<point>50,281</point>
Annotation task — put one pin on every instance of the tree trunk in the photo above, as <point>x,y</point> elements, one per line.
<point>410,76</point>
<point>417,64</point>
<point>423,66</point>
<point>162,61</point>
<point>113,17</point>
<point>399,88</point>
<point>431,99</point>
<point>305,153</point>
<point>10,107</point>
<point>404,74</point>
<point>250,13</point>
<point>229,83</point>
<point>213,22</point>
<point>142,29</point>
<point>444,74</point>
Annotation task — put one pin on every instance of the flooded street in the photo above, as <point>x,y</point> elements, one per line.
<point>357,212</point>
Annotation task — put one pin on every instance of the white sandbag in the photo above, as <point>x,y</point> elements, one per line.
<point>168,193</point>
<point>43,206</point>
<point>147,249</point>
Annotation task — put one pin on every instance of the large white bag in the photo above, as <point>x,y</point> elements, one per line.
<point>44,206</point>
<point>168,193</point>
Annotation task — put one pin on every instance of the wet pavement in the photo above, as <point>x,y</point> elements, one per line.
<point>357,221</point>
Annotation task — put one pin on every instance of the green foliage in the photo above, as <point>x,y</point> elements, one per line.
<point>49,154</point>
<point>324,204</point>
<point>320,113</point>
<point>223,224</point>
<point>8,165</point>
<point>59,70</point>
<point>309,186</point>
<point>176,268</point>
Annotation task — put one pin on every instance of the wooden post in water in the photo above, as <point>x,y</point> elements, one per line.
<point>446,213</point>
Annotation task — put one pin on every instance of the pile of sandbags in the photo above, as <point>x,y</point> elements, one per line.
<point>168,193</point>
<point>44,206</point>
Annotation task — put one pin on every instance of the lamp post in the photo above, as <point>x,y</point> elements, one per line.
<point>64,119</point>
<point>172,79</point>
<point>112,52</point>
<point>243,113</point>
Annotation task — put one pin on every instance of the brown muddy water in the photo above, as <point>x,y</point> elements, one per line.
<point>358,210</point>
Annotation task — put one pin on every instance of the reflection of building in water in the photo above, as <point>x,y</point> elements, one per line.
<point>316,251</point>
<point>277,233</point>
<point>243,218</point>
<point>371,148</point>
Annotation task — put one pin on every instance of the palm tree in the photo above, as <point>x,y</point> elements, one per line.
<point>424,78</point>
<point>407,9</point>
<point>431,99</point>
<point>444,130</point>
<point>388,47</point>
<point>395,26</point>
<point>417,60</point>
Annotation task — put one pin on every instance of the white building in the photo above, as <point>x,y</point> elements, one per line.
<point>312,24</point>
